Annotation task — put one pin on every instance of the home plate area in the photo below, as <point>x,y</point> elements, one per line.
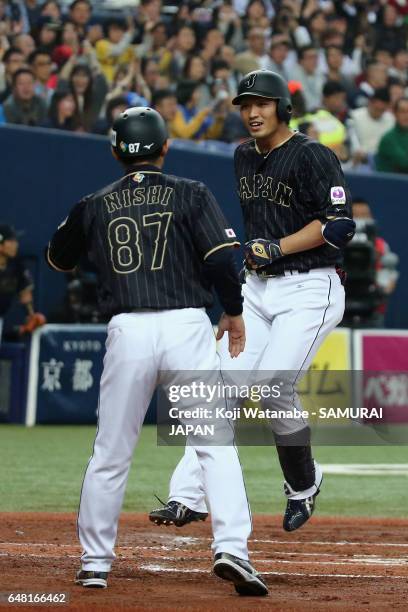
<point>329,564</point>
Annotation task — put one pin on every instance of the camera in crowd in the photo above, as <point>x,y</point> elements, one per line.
<point>371,272</point>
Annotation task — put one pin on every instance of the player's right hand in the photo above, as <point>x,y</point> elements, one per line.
<point>235,327</point>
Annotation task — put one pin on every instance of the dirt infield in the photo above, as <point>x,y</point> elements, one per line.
<point>330,564</point>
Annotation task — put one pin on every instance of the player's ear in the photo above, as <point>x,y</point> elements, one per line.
<point>165,148</point>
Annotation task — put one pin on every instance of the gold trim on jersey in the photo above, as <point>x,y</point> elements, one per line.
<point>143,172</point>
<point>52,264</point>
<point>265,155</point>
<point>221,246</point>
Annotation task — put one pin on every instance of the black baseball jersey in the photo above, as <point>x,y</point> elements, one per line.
<point>14,278</point>
<point>148,235</point>
<point>284,190</point>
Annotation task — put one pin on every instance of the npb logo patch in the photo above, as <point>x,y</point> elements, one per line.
<point>250,82</point>
<point>338,195</point>
<point>230,233</point>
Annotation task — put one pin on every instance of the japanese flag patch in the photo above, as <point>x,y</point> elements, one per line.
<point>337,195</point>
<point>230,233</point>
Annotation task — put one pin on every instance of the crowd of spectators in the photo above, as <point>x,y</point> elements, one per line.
<point>73,67</point>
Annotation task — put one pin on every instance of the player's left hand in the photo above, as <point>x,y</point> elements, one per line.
<point>260,252</point>
<point>235,327</point>
<point>34,320</point>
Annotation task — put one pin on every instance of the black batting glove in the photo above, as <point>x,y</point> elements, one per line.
<point>259,252</point>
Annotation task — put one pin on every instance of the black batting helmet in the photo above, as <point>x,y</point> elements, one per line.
<point>266,84</point>
<point>138,132</point>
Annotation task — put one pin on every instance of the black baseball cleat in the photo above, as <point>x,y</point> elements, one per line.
<point>96,580</point>
<point>246,579</point>
<point>176,513</point>
<point>298,512</point>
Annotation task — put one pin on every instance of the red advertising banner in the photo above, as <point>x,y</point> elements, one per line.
<point>383,357</point>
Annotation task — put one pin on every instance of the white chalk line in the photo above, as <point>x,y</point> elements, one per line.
<point>159,568</point>
<point>328,543</point>
<point>341,562</point>
<point>201,540</point>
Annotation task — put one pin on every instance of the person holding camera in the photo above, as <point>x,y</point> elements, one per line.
<point>367,298</point>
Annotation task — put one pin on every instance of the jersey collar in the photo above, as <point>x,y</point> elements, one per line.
<point>143,168</point>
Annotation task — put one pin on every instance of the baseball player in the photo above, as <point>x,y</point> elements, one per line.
<point>296,210</point>
<point>158,243</point>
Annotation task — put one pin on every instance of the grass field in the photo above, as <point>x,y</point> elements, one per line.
<point>42,468</point>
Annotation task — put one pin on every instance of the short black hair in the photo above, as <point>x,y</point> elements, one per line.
<point>75,2</point>
<point>305,49</point>
<point>381,93</point>
<point>19,72</point>
<point>359,200</point>
<point>330,88</point>
<point>219,64</point>
<point>36,53</point>
<point>162,94</point>
<point>331,46</point>
<point>116,22</point>
<point>185,90</point>
<point>113,102</point>
<point>11,51</point>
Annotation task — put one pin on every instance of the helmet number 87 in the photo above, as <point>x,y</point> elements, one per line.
<point>124,240</point>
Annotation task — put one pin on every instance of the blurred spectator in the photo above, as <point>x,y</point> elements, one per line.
<point>114,107</point>
<point>46,36</point>
<point>399,67</point>
<point>310,76</point>
<point>278,54</point>
<point>24,107</point>
<point>255,17</point>
<point>368,124</point>
<point>393,148</point>
<point>196,70</point>
<point>335,100</point>
<point>391,32</point>
<point>228,22</point>
<point>68,44</point>
<point>375,78</point>
<point>211,45</point>
<point>41,64</point>
<point>323,123</point>
<point>190,122</point>
<point>334,57</point>
<point>13,60</point>
<point>255,55</point>
<point>89,91</point>
<point>80,12</point>
<point>151,74</point>
<point>63,112</point>
<point>25,43</point>
<point>396,90</point>
<point>128,82</point>
<point>15,279</point>
<point>316,25</point>
<point>116,48</point>
<point>223,75</point>
<point>385,260</point>
<point>165,102</point>
<point>182,46</point>
<point>52,9</point>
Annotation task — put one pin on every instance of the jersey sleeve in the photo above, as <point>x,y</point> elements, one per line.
<point>68,244</point>
<point>323,186</point>
<point>210,229</point>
